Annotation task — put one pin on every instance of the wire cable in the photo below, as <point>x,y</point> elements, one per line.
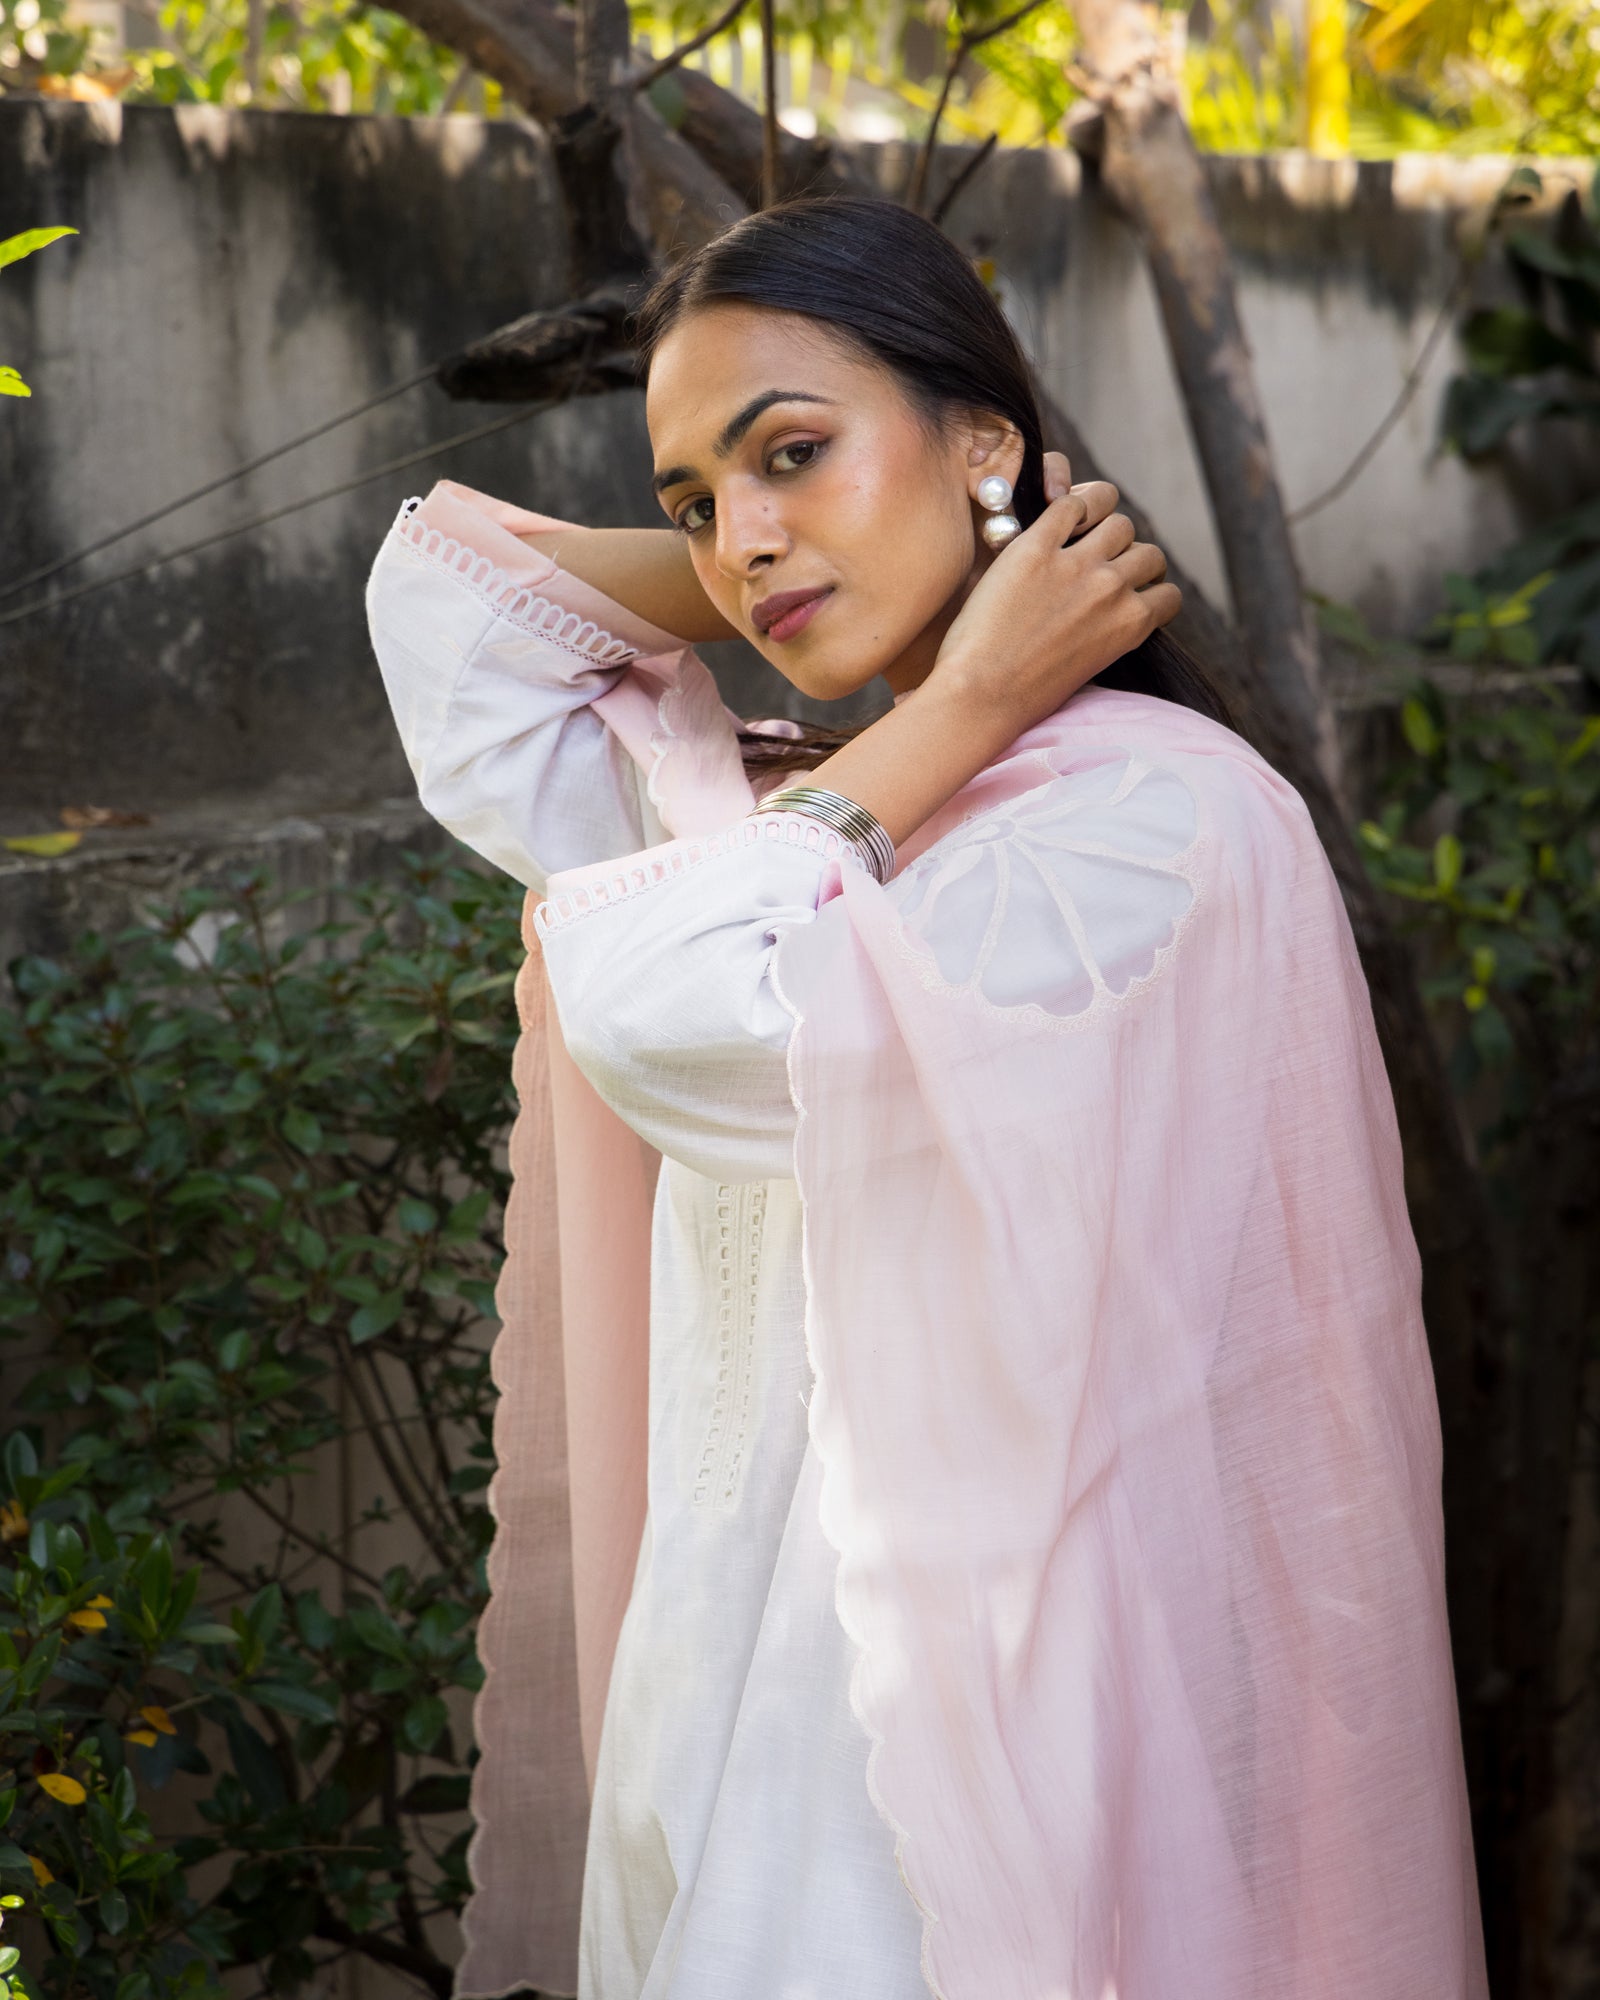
<point>519,416</point>
<point>51,569</point>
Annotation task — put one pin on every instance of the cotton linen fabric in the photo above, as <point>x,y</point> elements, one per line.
<point>731,1847</point>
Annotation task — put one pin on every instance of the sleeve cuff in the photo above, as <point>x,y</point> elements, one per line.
<point>578,892</point>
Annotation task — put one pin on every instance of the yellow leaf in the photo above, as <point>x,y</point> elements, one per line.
<point>13,1522</point>
<point>48,845</point>
<point>145,1736</point>
<point>87,1621</point>
<point>61,1787</point>
<point>99,1604</point>
<point>158,1718</point>
<point>41,1874</point>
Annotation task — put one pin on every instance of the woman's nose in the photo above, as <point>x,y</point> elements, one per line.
<point>750,537</point>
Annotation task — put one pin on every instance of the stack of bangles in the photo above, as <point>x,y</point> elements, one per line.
<point>862,829</point>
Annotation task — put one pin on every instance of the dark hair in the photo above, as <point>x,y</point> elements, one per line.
<point>895,287</point>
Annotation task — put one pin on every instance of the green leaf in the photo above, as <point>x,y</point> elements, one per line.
<point>14,248</point>
<point>255,1763</point>
<point>113,1912</point>
<point>289,1699</point>
<point>424,1722</point>
<point>370,1625</point>
<point>369,1321</point>
<point>233,1350</point>
<point>415,1217</point>
<point>1418,727</point>
<point>22,1461</point>
<point>123,1796</point>
<point>302,1130</point>
<point>1510,342</point>
<point>1447,861</point>
<point>466,1218</point>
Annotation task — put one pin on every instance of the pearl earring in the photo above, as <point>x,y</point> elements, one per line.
<point>994,496</point>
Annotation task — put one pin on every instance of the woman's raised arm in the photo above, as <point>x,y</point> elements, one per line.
<point>646,570</point>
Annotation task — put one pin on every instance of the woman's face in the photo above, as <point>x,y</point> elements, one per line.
<point>827,520</point>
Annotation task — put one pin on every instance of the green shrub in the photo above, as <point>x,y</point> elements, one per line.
<point>1490,830</point>
<point>249,1205</point>
<point>1531,364</point>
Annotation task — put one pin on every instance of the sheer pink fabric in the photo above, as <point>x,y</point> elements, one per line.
<point>1129,1432</point>
<point>1129,1435</point>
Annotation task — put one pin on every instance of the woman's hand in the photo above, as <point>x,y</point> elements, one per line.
<point>1069,595</point>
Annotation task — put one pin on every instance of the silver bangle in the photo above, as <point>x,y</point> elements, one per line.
<point>864,831</point>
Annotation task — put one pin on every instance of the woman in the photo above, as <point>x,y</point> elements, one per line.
<point>1022,1572</point>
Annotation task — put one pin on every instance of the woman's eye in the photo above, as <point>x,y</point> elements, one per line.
<point>802,452</point>
<point>692,518</point>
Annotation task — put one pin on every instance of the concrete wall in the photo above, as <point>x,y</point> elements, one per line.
<point>238,279</point>
<point>242,276</point>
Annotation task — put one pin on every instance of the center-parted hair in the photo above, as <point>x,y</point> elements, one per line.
<point>895,288</point>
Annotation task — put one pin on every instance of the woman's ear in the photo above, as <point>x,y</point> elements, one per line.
<point>994,447</point>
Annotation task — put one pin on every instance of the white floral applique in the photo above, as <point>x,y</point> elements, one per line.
<point>1065,895</point>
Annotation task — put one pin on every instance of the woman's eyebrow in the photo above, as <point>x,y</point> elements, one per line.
<point>733,431</point>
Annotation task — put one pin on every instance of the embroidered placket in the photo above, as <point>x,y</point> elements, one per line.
<point>741,1210</point>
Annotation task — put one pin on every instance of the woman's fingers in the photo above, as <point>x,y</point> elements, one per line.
<point>1161,603</point>
<point>1061,520</point>
<point>1105,540</point>
<point>1140,565</point>
<point>1057,475</point>
<point>1099,499</point>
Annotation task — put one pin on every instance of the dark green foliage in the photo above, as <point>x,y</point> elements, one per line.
<point>1528,364</point>
<point>1492,833</point>
<point>248,1211</point>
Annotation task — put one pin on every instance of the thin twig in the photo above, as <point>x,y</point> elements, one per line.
<point>652,72</point>
<point>1397,409</point>
<point>968,40</point>
<point>951,194</point>
<point>415,1502</point>
<point>769,106</point>
<point>310,1542</point>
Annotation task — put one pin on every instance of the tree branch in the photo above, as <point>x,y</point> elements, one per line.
<point>968,40</point>
<point>969,170</point>
<point>529,48</point>
<point>642,79</point>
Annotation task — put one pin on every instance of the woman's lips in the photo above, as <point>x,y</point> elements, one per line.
<point>788,612</point>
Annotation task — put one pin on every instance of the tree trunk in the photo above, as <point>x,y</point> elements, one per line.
<point>1142,148</point>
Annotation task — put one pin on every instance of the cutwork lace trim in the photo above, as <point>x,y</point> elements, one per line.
<point>539,615</point>
<point>741,1217</point>
<point>793,829</point>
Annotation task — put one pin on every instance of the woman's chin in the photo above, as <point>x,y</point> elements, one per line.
<point>822,678</point>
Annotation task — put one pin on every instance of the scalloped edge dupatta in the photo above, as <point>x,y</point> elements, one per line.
<point>1130,1443</point>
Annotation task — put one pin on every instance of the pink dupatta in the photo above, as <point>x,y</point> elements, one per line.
<point>1130,1445</point>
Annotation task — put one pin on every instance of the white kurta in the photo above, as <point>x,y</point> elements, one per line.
<point>734,1851</point>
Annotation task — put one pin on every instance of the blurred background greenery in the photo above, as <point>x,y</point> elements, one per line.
<point>1365,78</point>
